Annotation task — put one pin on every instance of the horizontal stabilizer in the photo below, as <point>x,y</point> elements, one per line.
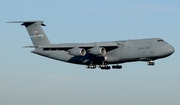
<point>27,23</point>
<point>30,46</point>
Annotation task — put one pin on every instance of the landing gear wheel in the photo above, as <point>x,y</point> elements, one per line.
<point>151,63</point>
<point>105,68</point>
<point>90,66</point>
<point>117,67</point>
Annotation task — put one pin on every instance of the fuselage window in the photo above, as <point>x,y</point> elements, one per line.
<point>159,40</point>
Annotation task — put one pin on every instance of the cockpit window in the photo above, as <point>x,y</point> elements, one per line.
<point>159,40</point>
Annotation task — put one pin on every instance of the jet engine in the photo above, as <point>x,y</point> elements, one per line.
<point>97,50</point>
<point>76,51</point>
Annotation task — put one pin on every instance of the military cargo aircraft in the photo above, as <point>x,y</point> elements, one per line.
<point>98,54</point>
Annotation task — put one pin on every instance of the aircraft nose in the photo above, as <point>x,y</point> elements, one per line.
<point>170,50</point>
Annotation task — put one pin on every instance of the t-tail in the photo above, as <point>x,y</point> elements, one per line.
<point>36,33</point>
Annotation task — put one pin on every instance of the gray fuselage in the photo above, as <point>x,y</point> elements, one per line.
<point>126,51</point>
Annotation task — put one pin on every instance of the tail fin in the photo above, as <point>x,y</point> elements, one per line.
<point>36,33</point>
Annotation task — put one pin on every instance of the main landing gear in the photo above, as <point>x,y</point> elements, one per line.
<point>117,67</point>
<point>91,66</point>
<point>104,67</point>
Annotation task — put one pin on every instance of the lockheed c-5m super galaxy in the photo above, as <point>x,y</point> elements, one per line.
<point>99,54</point>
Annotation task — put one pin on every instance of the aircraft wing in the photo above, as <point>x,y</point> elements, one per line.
<point>108,48</point>
<point>107,45</point>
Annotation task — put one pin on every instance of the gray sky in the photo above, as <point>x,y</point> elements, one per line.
<point>28,79</point>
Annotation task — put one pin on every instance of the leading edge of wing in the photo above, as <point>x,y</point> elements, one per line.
<point>108,48</point>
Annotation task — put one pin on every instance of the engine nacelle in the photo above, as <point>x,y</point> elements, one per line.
<point>76,51</point>
<point>97,50</point>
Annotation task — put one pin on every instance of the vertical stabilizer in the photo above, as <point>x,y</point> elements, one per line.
<point>36,33</point>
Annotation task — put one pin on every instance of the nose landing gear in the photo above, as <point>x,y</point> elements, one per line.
<point>150,63</point>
